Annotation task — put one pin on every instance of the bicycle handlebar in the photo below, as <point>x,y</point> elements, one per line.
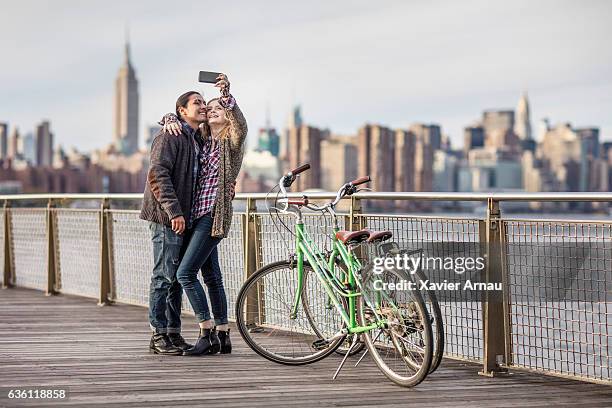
<point>347,189</point>
<point>361,180</point>
<point>288,179</point>
<point>300,169</point>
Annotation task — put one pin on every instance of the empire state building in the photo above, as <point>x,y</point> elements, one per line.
<point>126,107</point>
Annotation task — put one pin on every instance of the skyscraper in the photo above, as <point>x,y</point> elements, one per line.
<point>424,150</point>
<point>499,130</point>
<point>522,124</point>
<point>126,107</point>
<point>305,147</point>
<point>404,160</point>
<point>433,134</point>
<point>13,144</point>
<point>44,144</point>
<point>473,137</point>
<point>338,161</point>
<point>294,121</point>
<point>3,140</point>
<point>152,131</point>
<point>497,126</point>
<point>29,148</point>
<point>376,147</point>
<point>405,142</point>
<point>268,140</point>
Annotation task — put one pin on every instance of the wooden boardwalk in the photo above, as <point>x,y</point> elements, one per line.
<point>100,355</point>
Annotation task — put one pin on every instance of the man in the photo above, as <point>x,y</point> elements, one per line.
<point>166,205</point>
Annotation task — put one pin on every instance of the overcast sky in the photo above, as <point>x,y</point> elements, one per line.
<point>345,62</point>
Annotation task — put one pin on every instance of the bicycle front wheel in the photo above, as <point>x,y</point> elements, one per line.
<point>402,347</point>
<point>265,321</point>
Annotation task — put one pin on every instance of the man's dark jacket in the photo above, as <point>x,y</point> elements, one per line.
<point>170,181</point>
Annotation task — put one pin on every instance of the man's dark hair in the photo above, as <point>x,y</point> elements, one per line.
<point>182,101</point>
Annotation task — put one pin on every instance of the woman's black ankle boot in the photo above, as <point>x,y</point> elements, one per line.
<point>224,339</point>
<point>207,343</point>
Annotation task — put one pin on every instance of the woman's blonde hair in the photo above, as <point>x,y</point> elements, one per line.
<point>225,132</point>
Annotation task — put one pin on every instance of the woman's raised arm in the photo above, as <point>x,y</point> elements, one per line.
<point>237,122</point>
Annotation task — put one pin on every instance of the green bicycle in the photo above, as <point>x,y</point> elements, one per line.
<point>375,245</point>
<point>277,305</point>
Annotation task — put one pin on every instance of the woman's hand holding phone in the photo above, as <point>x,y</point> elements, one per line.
<point>223,84</point>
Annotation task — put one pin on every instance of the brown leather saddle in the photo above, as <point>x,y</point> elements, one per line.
<point>357,237</point>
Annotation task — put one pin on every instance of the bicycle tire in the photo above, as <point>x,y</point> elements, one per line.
<point>404,316</point>
<point>435,313</point>
<point>267,333</point>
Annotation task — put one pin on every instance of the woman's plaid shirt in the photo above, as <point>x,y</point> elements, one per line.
<point>207,180</point>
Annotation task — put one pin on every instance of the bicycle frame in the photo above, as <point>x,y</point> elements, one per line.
<point>306,251</point>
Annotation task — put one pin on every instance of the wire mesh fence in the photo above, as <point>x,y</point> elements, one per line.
<point>276,234</point>
<point>462,316</point>
<point>560,283</point>
<point>29,247</point>
<point>77,234</point>
<point>132,257</point>
<point>231,258</point>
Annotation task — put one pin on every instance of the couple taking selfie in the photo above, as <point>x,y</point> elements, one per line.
<point>195,160</point>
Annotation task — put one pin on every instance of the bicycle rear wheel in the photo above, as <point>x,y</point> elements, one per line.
<point>403,347</point>
<point>263,316</point>
<point>435,315</point>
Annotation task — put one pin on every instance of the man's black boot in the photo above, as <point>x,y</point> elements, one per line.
<point>178,341</point>
<point>161,344</point>
<point>208,343</point>
<point>224,339</point>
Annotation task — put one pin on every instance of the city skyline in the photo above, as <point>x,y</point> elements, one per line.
<point>540,48</point>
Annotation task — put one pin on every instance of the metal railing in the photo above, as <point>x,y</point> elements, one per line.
<point>105,253</point>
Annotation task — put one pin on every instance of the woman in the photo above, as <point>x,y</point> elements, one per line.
<point>219,158</point>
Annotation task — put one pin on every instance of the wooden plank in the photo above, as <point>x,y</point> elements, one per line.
<point>100,354</point>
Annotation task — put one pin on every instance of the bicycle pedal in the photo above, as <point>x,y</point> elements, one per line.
<point>256,329</point>
<point>320,344</point>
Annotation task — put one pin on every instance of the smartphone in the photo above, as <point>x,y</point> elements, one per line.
<point>209,77</point>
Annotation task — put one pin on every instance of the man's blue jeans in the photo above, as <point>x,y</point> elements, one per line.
<point>165,293</point>
<point>201,252</point>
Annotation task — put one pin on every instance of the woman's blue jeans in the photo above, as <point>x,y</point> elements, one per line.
<point>200,252</point>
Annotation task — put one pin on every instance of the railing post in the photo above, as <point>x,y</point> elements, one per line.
<point>105,278</point>
<point>357,223</point>
<point>251,249</point>
<point>251,238</point>
<point>494,317</point>
<point>52,280</point>
<point>507,301</point>
<point>8,270</point>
